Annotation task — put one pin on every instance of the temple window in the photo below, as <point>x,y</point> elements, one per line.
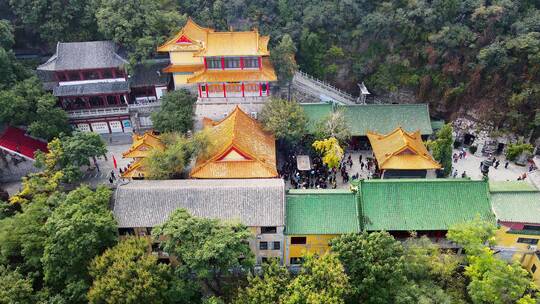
<point>298,240</point>
<point>263,245</point>
<point>61,76</point>
<point>268,229</point>
<point>74,75</point>
<point>251,63</point>
<point>232,62</point>
<point>213,62</point>
<point>527,241</point>
<point>95,101</point>
<point>111,100</point>
<point>107,74</point>
<point>277,246</point>
<point>89,75</point>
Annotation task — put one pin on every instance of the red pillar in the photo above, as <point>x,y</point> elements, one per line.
<point>243,93</point>
<point>100,74</point>
<point>224,90</point>
<point>260,89</point>
<point>205,64</point>
<point>207,88</point>
<point>241,63</point>
<point>104,101</point>
<point>267,88</point>
<point>113,73</point>
<point>200,91</point>
<point>81,75</point>
<point>117,98</point>
<point>260,62</point>
<point>223,63</point>
<point>108,126</point>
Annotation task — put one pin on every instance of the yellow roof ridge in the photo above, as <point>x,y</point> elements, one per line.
<point>139,140</point>
<point>136,165</point>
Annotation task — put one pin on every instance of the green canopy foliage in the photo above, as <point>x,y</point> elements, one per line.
<point>16,289</point>
<point>128,273</point>
<point>213,251</point>
<point>285,119</point>
<point>176,112</point>
<point>140,26</point>
<point>69,153</point>
<point>79,229</point>
<point>179,151</point>
<point>441,148</point>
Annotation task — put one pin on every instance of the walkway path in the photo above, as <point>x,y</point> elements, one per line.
<point>309,85</point>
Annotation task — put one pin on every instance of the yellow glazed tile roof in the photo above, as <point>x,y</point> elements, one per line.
<point>183,68</point>
<point>136,169</point>
<point>143,145</point>
<point>196,33</point>
<point>401,150</point>
<point>239,148</point>
<point>266,74</point>
<point>208,42</point>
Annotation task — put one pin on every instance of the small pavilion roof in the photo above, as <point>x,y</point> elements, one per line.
<point>401,150</point>
<point>143,145</point>
<point>15,140</point>
<point>238,148</point>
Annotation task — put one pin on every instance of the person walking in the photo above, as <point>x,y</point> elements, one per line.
<point>464,174</point>
<point>506,165</point>
<point>497,163</point>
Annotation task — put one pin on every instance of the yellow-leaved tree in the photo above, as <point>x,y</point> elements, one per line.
<point>331,151</point>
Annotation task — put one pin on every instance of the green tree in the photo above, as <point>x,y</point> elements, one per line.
<point>15,288</point>
<point>176,112</point>
<point>11,71</point>
<point>374,263</point>
<point>128,273</point>
<point>334,125</point>
<point>51,121</point>
<point>79,229</point>
<point>179,151</point>
<point>266,288</point>
<point>515,150</point>
<point>57,20</point>
<point>331,151</point>
<point>282,57</point>
<point>285,119</point>
<point>208,248</point>
<point>491,280</point>
<point>321,280</point>
<point>26,103</point>
<point>442,148</point>
<point>140,26</point>
<point>7,40</point>
<point>69,153</point>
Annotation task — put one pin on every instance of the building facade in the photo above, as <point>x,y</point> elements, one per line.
<point>92,85</point>
<point>223,69</point>
<point>257,203</point>
<point>517,207</point>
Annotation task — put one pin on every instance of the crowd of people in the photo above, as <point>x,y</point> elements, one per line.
<point>319,176</point>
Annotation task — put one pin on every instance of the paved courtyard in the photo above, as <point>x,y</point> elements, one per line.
<point>471,165</point>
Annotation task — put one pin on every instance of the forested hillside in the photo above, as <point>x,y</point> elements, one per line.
<point>455,54</point>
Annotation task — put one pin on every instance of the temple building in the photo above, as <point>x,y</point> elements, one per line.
<point>400,154</point>
<point>428,206</point>
<point>222,68</point>
<point>138,206</point>
<point>141,148</point>
<point>92,85</point>
<point>238,148</point>
<point>516,205</point>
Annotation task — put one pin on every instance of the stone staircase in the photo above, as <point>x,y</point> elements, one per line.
<point>319,90</point>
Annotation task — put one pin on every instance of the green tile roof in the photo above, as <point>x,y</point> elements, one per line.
<point>321,212</point>
<point>509,186</point>
<point>422,204</point>
<point>381,118</point>
<point>517,206</point>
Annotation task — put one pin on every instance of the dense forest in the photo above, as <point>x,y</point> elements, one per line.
<point>480,56</point>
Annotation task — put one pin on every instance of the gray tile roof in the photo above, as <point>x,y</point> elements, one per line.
<point>254,202</point>
<point>91,88</point>
<point>149,74</point>
<point>84,55</point>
